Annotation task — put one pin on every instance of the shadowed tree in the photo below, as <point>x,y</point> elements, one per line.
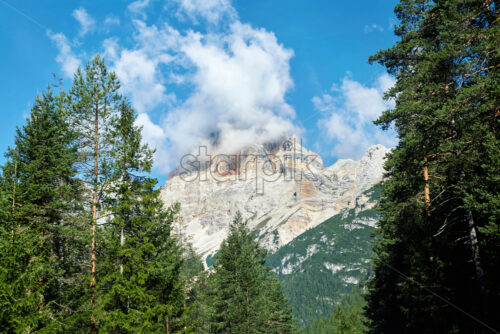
<point>440,225</point>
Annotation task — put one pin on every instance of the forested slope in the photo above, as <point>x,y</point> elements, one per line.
<point>324,264</point>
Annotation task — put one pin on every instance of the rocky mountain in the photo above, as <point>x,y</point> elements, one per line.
<point>281,188</point>
<point>315,221</point>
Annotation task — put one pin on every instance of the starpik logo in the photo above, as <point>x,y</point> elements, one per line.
<point>292,164</point>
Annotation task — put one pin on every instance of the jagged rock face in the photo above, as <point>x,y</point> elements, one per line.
<point>281,188</point>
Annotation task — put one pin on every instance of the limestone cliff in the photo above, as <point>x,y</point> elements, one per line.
<point>281,188</point>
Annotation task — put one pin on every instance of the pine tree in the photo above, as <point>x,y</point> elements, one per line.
<point>92,102</point>
<point>439,230</point>
<point>39,190</point>
<point>135,262</point>
<point>139,287</point>
<point>244,296</point>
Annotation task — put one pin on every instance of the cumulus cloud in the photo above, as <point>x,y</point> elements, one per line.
<point>140,79</point>
<point>68,60</point>
<point>211,10</point>
<point>138,75</point>
<point>232,79</point>
<point>350,110</point>
<point>87,23</point>
<point>240,82</point>
<point>236,81</point>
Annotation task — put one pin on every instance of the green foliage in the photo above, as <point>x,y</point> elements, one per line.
<point>194,281</point>
<point>447,101</point>
<point>77,184</point>
<point>93,105</point>
<point>348,318</point>
<point>242,295</point>
<point>138,287</point>
<point>321,266</point>
<point>38,190</point>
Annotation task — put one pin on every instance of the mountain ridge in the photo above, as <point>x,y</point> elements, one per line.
<point>282,189</point>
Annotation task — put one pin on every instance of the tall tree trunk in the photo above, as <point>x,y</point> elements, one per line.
<point>93,255</point>
<point>474,243</point>
<point>184,312</point>
<point>14,200</point>
<point>40,279</point>
<point>122,243</point>
<point>126,216</point>
<point>427,196</point>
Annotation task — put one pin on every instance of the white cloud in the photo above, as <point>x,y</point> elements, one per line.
<point>156,137</point>
<point>373,27</point>
<point>68,60</point>
<point>139,78</point>
<point>152,131</point>
<point>384,83</point>
<point>87,23</point>
<point>112,20</point>
<point>156,41</point>
<point>139,72</point>
<point>211,10</point>
<point>350,110</point>
<point>234,78</point>
<point>138,8</point>
<point>366,102</point>
<point>111,49</point>
<point>238,79</point>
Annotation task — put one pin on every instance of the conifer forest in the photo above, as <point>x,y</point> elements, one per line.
<point>403,239</point>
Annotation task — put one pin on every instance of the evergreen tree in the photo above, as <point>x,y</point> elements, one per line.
<point>139,287</point>
<point>92,103</point>
<point>38,193</point>
<point>437,263</point>
<point>135,262</point>
<point>244,296</point>
<point>193,278</point>
<point>347,318</point>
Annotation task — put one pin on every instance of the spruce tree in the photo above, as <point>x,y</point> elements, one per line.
<point>39,192</point>
<point>244,296</point>
<point>139,287</point>
<point>436,264</point>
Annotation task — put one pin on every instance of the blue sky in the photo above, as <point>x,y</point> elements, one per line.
<point>247,71</point>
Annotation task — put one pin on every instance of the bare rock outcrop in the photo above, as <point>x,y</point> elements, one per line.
<point>281,188</point>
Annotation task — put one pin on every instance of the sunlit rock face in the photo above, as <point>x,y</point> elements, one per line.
<point>281,188</point>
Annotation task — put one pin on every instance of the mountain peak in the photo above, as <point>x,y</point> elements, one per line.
<point>281,188</point>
